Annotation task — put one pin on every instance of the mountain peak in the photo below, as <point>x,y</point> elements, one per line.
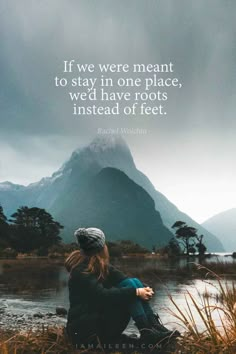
<point>222,214</point>
<point>109,150</point>
<point>65,186</point>
<point>103,142</point>
<point>108,141</point>
<point>224,227</point>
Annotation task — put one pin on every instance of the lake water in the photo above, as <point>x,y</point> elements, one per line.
<point>28,287</point>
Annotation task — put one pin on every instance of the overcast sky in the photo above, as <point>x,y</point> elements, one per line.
<point>189,155</point>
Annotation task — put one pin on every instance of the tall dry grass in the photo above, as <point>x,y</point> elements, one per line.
<point>45,341</point>
<point>215,337</point>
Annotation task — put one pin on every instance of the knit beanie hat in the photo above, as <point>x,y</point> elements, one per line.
<point>90,240</point>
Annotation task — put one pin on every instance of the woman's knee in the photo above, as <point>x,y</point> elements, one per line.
<point>138,282</point>
<point>131,283</point>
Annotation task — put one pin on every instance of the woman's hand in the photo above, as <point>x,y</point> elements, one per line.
<point>145,293</point>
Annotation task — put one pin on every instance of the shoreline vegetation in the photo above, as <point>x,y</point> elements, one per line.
<point>150,271</point>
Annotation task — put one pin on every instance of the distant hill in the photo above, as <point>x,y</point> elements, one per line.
<point>112,201</point>
<point>85,163</point>
<point>223,225</point>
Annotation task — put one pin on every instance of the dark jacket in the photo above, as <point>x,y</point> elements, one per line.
<point>91,299</point>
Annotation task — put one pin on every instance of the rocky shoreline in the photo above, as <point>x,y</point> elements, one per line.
<point>32,321</point>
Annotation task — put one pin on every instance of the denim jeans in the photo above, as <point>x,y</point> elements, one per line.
<point>138,307</point>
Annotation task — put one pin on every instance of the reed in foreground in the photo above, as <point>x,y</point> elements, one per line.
<point>49,340</point>
<point>211,336</point>
<point>54,341</point>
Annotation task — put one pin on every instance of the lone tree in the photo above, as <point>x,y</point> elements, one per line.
<point>34,228</point>
<point>185,234</point>
<point>200,246</point>
<point>172,249</point>
<point>4,230</point>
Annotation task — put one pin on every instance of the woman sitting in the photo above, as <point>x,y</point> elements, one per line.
<point>103,299</point>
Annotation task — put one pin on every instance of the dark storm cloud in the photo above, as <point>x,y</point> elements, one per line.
<point>37,36</point>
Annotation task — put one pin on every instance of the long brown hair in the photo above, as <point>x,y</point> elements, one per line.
<point>97,264</point>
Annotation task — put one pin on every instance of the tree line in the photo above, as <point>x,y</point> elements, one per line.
<point>33,230</point>
<point>186,241</point>
<point>29,229</point>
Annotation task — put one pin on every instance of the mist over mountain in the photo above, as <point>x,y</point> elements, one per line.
<point>59,192</point>
<point>223,225</point>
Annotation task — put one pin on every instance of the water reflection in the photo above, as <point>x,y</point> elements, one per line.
<point>40,286</point>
